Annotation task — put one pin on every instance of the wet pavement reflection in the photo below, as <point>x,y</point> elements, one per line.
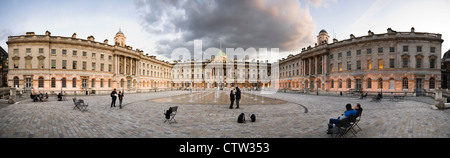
<point>218,98</point>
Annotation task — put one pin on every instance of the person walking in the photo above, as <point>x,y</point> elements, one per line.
<point>120,99</point>
<point>231,99</point>
<point>113,97</point>
<point>238,96</point>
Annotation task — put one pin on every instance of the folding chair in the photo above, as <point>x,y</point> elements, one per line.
<point>170,115</point>
<point>351,122</point>
<point>76,103</point>
<point>355,124</point>
<point>341,128</point>
<point>83,105</point>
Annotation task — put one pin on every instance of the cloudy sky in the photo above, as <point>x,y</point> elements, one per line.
<point>160,26</point>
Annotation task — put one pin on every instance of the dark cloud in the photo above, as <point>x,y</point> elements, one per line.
<point>280,24</point>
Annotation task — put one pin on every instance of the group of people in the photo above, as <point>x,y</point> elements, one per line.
<point>350,111</point>
<point>38,97</point>
<point>235,96</point>
<point>114,96</point>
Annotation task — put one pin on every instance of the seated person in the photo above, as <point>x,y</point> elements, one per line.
<point>40,96</point>
<point>59,97</point>
<point>358,109</point>
<point>349,112</point>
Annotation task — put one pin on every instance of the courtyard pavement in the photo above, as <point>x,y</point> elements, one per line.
<point>296,116</point>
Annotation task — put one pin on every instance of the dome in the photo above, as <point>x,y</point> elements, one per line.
<point>323,31</point>
<point>446,55</point>
<point>221,53</point>
<point>221,57</point>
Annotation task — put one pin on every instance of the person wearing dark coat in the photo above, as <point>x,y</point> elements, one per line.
<point>120,99</point>
<point>238,97</point>
<point>113,97</point>
<point>231,99</point>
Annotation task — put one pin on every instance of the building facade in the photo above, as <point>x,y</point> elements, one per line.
<point>445,70</point>
<point>3,68</point>
<point>54,64</point>
<point>389,62</point>
<point>219,72</point>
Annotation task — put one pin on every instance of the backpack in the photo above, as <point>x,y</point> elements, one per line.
<point>253,117</point>
<point>241,118</point>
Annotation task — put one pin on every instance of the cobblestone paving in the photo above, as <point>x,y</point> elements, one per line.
<point>142,117</point>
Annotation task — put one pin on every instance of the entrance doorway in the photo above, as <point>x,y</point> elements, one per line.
<point>28,84</point>
<point>358,85</point>
<point>419,90</point>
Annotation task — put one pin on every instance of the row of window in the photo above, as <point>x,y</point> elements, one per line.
<point>381,50</point>
<point>186,76</point>
<point>74,83</point>
<point>432,84</point>
<point>405,85</point>
<point>63,52</point>
<point>74,66</point>
<point>405,64</point>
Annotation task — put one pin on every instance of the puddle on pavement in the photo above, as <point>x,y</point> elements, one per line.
<point>218,98</point>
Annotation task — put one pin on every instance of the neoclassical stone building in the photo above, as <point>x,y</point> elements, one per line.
<point>387,62</point>
<point>53,64</point>
<point>221,73</point>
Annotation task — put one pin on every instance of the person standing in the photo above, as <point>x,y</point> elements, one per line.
<point>231,99</point>
<point>238,96</point>
<point>120,99</point>
<point>113,97</point>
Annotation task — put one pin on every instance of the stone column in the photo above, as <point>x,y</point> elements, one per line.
<point>124,65</point>
<point>324,64</point>
<point>315,67</point>
<point>138,71</point>
<point>117,64</point>
<point>303,67</point>
<point>131,66</point>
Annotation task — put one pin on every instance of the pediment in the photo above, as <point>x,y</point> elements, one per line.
<point>28,57</point>
<point>41,57</point>
<point>15,58</point>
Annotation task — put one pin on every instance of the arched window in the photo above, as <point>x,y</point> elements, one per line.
<point>53,83</point>
<point>74,83</point>
<point>380,83</point>
<point>349,83</point>
<point>332,84</point>
<point>16,81</point>
<point>339,83</point>
<point>93,83</point>
<point>318,83</point>
<point>391,83</point>
<point>63,82</point>
<point>432,83</point>
<point>41,82</point>
<point>369,83</point>
<point>306,84</point>
<point>405,83</point>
